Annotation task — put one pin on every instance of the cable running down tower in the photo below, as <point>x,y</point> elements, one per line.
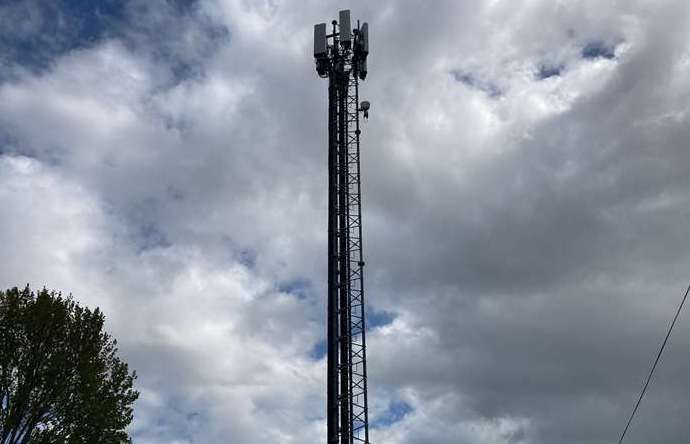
<point>341,57</point>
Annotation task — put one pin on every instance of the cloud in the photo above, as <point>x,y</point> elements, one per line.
<point>525,250</point>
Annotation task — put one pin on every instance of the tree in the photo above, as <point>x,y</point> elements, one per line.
<point>60,378</point>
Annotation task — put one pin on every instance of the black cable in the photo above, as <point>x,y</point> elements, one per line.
<point>656,361</point>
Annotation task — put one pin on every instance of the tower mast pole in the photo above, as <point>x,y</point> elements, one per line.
<point>332,302</point>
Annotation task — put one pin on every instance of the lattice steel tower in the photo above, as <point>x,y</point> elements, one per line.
<point>341,56</point>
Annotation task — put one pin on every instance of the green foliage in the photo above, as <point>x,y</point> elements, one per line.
<point>60,378</point>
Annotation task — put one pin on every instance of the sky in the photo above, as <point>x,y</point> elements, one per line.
<point>526,199</point>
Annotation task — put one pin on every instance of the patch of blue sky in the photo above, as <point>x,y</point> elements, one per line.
<point>47,29</point>
<point>379,318</point>
<point>93,19</point>
<point>395,412</point>
<point>319,350</point>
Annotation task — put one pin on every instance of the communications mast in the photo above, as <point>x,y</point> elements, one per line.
<point>341,57</point>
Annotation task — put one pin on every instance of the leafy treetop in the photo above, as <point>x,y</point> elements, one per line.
<point>61,380</point>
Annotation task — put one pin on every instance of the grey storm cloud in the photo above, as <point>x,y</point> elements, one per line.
<point>525,171</point>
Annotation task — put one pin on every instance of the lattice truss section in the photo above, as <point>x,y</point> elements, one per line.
<point>352,366</point>
<point>357,341</point>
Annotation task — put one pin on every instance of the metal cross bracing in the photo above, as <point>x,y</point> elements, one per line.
<point>341,57</point>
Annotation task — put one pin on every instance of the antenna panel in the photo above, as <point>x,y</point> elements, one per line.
<point>320,44</point>
<point>364,38</point>
<point>345,28</point>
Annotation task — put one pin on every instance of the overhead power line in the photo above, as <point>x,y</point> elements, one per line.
<point>656,361</point>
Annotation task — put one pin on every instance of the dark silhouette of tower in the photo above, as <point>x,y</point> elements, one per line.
<point>341,57</point>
